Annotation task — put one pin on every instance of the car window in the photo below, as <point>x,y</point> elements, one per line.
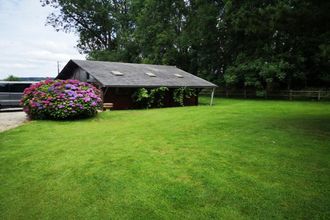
<point>4,87</point>
<point>18,87</point>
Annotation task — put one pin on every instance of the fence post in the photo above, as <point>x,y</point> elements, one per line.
<point>245,96</point>
<point>319,95</point>
<point>290,95</point>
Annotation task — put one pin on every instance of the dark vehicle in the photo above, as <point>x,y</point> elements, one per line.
<point>11,92</point>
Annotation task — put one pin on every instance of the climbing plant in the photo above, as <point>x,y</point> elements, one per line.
<point>157,96</point>
<point>141,97</point>
<point>150,98</point>
<point>181,93</point>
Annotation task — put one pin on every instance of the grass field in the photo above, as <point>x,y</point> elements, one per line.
<point>239,159</point>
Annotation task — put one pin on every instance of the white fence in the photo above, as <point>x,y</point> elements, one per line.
<point>280,94</point>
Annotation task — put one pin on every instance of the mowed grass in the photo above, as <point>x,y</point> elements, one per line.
<point>239,159</point>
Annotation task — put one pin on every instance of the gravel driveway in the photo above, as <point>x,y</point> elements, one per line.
<point>10,120</point>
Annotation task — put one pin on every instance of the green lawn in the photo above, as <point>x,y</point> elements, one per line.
<point>239,159</point>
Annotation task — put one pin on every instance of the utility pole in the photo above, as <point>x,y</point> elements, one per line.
<point>58,67</point>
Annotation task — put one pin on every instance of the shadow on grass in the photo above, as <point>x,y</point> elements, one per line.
<point>309,124</point>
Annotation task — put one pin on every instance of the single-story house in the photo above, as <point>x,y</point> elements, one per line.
<point>118,81</point>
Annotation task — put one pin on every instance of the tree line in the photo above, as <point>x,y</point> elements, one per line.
<point>262,44</point>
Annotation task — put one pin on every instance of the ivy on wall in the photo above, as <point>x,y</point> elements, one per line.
<point>180,94</point>
<point>147,98</point>
<point>150,98</point>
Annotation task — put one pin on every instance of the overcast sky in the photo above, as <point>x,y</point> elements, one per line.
<point>27,46</point>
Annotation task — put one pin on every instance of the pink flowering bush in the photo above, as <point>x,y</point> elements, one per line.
<point>61,99</point>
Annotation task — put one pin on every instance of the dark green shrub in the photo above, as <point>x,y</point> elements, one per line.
<point>157,96</point>
<point>150,98</point>
<point>180,94</point>
<point>142,98</point>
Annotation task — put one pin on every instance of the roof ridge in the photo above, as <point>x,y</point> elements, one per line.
<point>102,61</point>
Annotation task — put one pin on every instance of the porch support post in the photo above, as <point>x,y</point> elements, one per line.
<point>105,92</point>
<point>212,95</point>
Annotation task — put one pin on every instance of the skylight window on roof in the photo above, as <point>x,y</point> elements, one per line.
<point>153,69</point>
<point>150,74</point>
<point>178,75</point>
<point>117,73</point>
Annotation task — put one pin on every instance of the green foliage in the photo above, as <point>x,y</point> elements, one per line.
<point>261,44</point>
<point>103,26</point>
<point>261,93</point>
<point>11,78</point>
<point>150,98</point>
<point>257,73</point>
<point>180,94</point>
<point>276,42</point>
<point>142,98</point>
<point>157,96</point>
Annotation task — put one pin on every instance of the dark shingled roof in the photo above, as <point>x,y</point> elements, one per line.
<point>134,75</point>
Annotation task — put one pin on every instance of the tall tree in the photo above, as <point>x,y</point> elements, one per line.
<point>182,33</point>
<point>275,42</point>
<point>103,26</point>
<point>242,43</point>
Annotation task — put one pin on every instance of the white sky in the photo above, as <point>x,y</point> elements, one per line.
<point>29,48</point>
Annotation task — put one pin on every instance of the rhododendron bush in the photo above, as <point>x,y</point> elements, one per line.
<point>61,99</point>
